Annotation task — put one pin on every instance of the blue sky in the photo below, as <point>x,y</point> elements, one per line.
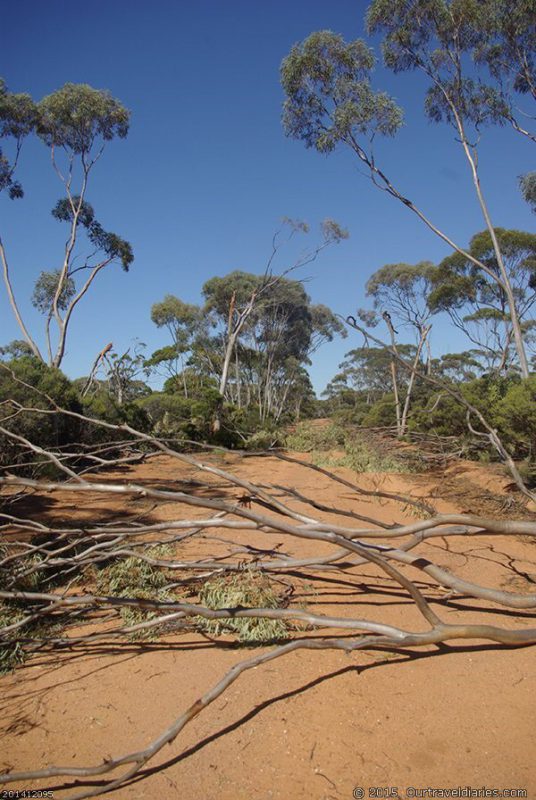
<point>206,173</point>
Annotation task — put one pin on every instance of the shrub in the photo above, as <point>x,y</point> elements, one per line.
<point>262,440</point>
<point>44,430</point>
<point>244,590</point>
<point>176,416</point>
<point>136,579</point>
<point>11,652</point>
<point>515,417</point>
<point>507,403</point>
<point>102,405</point>
<point>382,414</point>
<point>361,454</point>
<point>307,437</point>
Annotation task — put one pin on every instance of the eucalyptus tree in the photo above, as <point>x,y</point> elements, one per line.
<point>18,119</point>
<point>298,395</point>
<point>281,334</point>
<point>402,291</point>
<point>118,375</point>
<point>257,334</point>
<point>291,381</point>
<point>230,300</point>
<point>459,367</point>
<point>184,322</point>
<point>257,323</point>
<point>233,299</point>
<point>478,305</point>
<point>123,374</point>
<point>325,327</point>
<point>435,37</point>
<point>365,378</point>
<point>366,369</point>
<point>75,123</point>
<point>330,100</point>
<point>504,40</point>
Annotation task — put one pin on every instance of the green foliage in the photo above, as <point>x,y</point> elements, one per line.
<point>515,416</point>
<point>368,370</point>
<point>475,302</point>
<point>262,440</point>
<point>458,367</point>
<point>507,42</point>
<point>102,405</point>
<point>27,575</point>
<point>326,326</point>
<point>71,121</point>
<point>181,319</point>
<point>168,414</point>
<point>333,232</point>
<point>403,290</point>
<point>17,348</point>
<point>174,416</point>
<point>360,453</point>
<point>18,118</point>
<point>329,96</point>
<point>244,590</point>
<point>457,281</point>
<point>308,437</point>
<point>255,330</point>
<point>527,184</point>
<point>220,291</point>
<point>135,578</point>
<point>75,210</point>
<point>382,414</point>
<point>507,403</point>
<point>76,115</point>
<point>11,652</point>
<point>400,276</point>
<point>27,381</point>
<point>46,287</point>
<point>130,577</point>
<point>438,35</point>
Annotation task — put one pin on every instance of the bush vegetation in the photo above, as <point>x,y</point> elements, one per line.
<point>360,450</point>
<point>247,589</point>
<point>137,579</point>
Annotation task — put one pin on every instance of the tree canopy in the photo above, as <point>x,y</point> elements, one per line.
<point>75,122</point>
<point>77,115</point>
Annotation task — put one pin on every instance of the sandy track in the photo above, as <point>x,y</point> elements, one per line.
<point>310,725</point>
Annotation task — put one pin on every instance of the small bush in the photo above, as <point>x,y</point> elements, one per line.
<point>360,454</point>
<point>48,430</point>
<point>363,456</point>
<point>261,440</point>
<point>382,414</point>
<point>244,590</point>
<point>11,652</point>
<point>136,579</point>
<point>308,437</point>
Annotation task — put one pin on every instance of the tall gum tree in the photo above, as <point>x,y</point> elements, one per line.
<point>402,291</point>
<point>75,123</point>
<point>184,321</point>
<point>477,305</point>
<point>439,37</point>
<point>330,100</point>
<point>237,296</point>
